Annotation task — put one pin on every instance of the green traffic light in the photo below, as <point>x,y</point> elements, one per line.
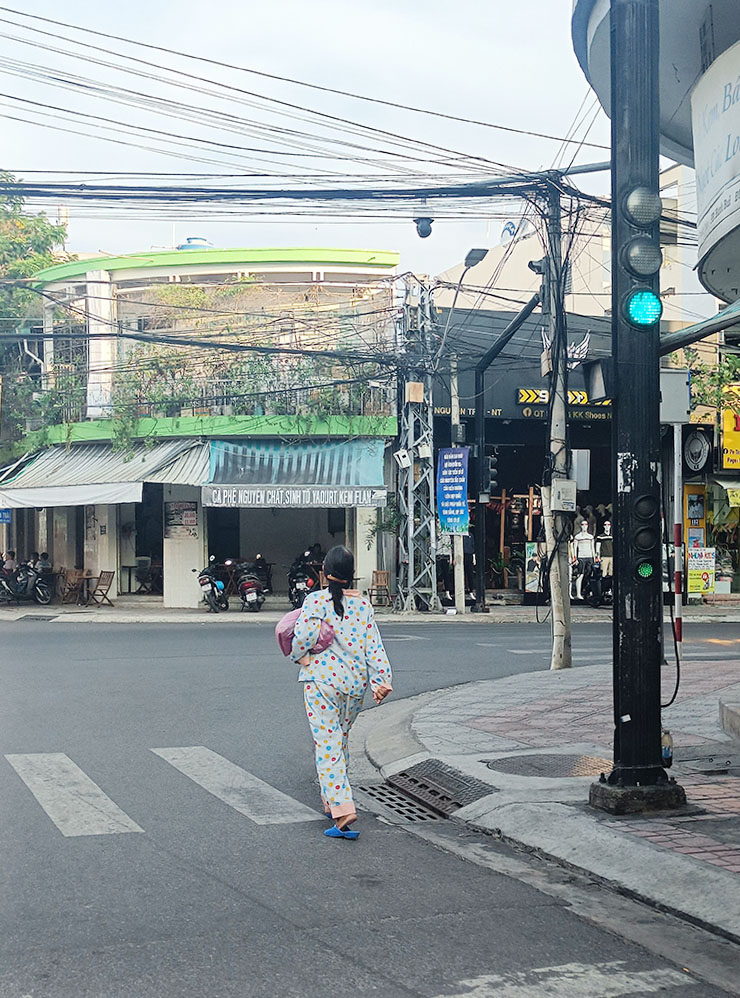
<point>643,307</point>
<point>645,570</point>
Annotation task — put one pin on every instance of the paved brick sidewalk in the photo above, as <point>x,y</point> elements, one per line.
<point>510,733</point>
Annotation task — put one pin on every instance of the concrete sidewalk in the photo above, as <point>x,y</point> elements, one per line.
<point>151,610</point>
<point>519,741</point>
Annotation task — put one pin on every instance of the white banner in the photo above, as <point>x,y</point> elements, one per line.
<point>715,114</point>
<point>317,496</point>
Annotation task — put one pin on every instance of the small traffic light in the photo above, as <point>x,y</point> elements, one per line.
<point>493,472</point>
<point>643,307</point>
<point>645,538</point>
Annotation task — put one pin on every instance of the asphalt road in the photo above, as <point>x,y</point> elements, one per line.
<point>188,894</point>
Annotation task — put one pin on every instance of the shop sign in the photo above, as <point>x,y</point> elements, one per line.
<point>731,434</point>
<point>715,114</point>
<point>696,451</point>
<point>452,490</point>
<point>541,396</point>
<point>6,516</point>
<point>314,496</point>
<point>180,519</point>
<point>532,568</point>
<point>733,497</point>
<point>700,564</point>
<point>694,514</point>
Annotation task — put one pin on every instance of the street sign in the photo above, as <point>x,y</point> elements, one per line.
<point>452,490</point>
<point>6,516</point>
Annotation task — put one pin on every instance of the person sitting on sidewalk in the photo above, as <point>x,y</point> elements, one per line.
<point>336,679</point>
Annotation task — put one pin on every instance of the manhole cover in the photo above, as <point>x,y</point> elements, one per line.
<point>401,805</point>
<point>440,787</point>
<point>551,766</point>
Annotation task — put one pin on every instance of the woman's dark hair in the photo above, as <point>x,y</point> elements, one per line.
<point>339,569</point>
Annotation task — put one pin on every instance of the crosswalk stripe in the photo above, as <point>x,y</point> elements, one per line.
<point>236,787</point>
<point>75,804</point>
<point>573,980</point>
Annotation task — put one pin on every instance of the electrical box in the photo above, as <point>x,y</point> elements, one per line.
<point>563,495</point>
<point>414,391</point>
<point>675,395</point>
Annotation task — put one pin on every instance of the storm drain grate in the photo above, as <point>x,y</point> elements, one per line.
<point>399,803</point>
<point>38,616</point>
<point>439,786</point>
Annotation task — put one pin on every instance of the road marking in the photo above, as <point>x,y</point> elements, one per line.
<point>75,804</point>
<point>236,787</point>
<point>572,980</point>
<point>404,637</point>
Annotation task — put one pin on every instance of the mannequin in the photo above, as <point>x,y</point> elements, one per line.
<point>583,555</point>
<point>605,550</point>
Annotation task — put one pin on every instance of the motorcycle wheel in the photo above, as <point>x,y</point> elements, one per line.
<point>253,607</point>
<point>211,601</point>
<point>42,594</point>
<point>223,603</point>
<point>595,597</point>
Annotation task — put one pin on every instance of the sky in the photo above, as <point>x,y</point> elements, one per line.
<point>504,63</point>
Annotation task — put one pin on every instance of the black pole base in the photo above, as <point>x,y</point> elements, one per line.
<point>637,800</point>
<point>479,608</point>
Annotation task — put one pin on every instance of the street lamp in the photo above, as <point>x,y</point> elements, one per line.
<point>472,259</point>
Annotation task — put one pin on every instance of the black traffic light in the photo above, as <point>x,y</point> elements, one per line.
<point>645,539</point>
<point>640,257</point>
<point>493,473</point>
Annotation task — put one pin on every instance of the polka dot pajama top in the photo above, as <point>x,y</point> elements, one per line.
<point>335,682</point>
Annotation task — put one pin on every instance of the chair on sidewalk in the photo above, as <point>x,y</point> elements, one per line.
<point>98,594</point>
<point>380,589</point>
<point>70,586</point>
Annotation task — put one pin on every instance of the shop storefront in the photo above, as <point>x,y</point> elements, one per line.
<point>156,512</point>
<point>516,405</point>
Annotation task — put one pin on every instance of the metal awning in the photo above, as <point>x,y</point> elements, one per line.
<point>95,473</point>
<point>335,473</point>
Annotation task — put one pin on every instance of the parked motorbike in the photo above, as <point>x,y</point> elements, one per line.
<point>249,586</point>
<point>302,579</point>
<point>212,588</point>
<point>26,583</point>
<point>595,590</point>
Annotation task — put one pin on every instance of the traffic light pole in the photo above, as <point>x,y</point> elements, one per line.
<point>638,780</point>
<point>482,476</point>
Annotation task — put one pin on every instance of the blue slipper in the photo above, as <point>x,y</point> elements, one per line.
<point>336,833</point>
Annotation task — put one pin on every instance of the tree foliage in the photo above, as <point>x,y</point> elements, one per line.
<point>715,385</point>
<point>27,244</point>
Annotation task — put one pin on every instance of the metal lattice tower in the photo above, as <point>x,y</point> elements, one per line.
<point>417,575</point>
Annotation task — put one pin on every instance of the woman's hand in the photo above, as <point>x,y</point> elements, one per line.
<point>305,660</point>
<point>381,692</point>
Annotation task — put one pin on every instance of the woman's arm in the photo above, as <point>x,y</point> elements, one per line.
<point>306,631</point>
<point>378,666</point>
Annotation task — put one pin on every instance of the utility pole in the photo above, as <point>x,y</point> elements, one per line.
<point>637,781</point>
<point>417,542</point>
<point>458,555</point>
<point>556,532</point>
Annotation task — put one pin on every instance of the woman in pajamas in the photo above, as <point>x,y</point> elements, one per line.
<point>335,680</point>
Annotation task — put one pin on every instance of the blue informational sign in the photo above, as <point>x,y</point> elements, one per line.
<point>452,490</point>
<point>5,516</point>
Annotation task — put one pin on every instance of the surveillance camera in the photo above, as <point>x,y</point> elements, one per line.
<point>424,226</point>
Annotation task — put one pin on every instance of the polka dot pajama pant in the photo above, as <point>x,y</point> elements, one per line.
<point>331,714</point>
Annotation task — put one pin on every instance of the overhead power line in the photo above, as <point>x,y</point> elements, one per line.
<point>312,86</point>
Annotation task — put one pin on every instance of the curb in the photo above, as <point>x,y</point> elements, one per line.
<point>568,834</point>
